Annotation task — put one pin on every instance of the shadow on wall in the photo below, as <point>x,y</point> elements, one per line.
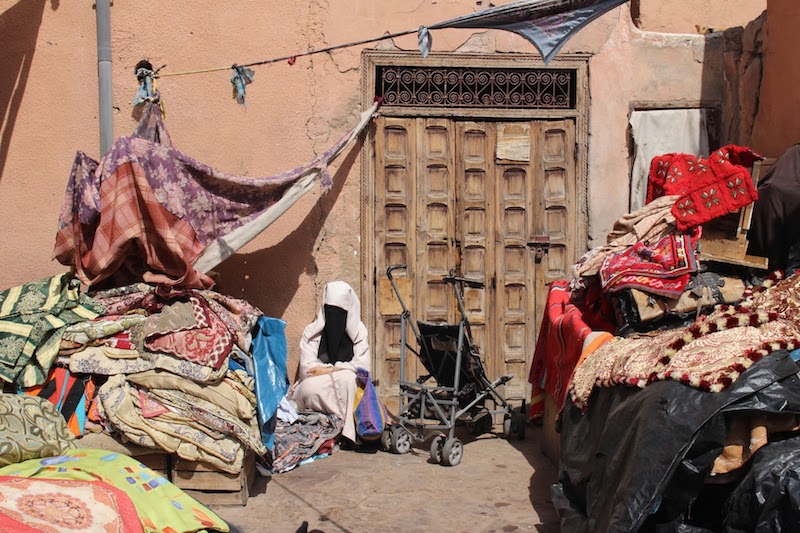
<point>269,278</point>
<point>19,29</point>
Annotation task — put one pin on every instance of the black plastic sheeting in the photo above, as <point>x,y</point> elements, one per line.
<point>638,458</point>
<point>768,498</point>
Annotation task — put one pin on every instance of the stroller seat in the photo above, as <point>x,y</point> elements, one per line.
<point>438,351</point>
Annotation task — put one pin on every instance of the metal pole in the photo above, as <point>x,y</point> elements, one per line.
<point>103,9</point>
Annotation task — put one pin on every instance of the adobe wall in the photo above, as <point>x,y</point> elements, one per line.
<point>777,124</point>
<point>699,16</point>
<point>48,110</point>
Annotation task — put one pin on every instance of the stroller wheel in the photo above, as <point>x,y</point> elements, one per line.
<point>386,439</point>
<point>452,451</point>
<point>401,440</point>
<point>522,421</point>
<point>507,427</point>
<point>436,448</point>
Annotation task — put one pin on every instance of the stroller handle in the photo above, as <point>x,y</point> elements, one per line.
<point>392,268</point>
<point>472,283</point>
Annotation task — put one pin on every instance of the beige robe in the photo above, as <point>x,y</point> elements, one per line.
<point>333,393</point>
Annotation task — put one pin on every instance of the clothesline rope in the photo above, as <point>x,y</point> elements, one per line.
<point>547,24</point>
<point>290,57</point>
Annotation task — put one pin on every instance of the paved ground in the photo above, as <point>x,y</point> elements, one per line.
<point>499,487</point>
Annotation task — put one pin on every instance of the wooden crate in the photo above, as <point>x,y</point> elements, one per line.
<point>212,487</point>
<point>160,463</point>
<point>725,239</point>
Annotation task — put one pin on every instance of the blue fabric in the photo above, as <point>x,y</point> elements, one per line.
<point>795,355</point>
<point>548,24</point>
<point>246,364</point>
<point>242,77</point>
<point>145,92</point>
<point>424,41</point>
<point>269,364</point>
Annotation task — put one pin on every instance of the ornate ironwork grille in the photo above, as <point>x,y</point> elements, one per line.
<point>476,87</point>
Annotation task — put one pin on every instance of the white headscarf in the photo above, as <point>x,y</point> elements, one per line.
<point>339,294</point>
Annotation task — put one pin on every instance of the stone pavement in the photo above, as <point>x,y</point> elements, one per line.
<point>499,487</point>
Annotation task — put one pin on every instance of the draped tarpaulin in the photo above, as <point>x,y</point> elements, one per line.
<point>548,24</point>
<point>148,212</point>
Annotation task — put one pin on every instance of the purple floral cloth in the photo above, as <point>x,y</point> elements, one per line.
<point>213,202</point>
<point>145,195</point>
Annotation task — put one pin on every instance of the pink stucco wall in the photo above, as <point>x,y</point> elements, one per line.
<point>777,124</point>
<point>680,17</point>
<point>48,110</point>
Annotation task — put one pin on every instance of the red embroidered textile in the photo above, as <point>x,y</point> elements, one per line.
<point>662,268</point>
<point>46,505</point>
<point>708,188</point>
<point>205,341</point>
<point>558,347</point>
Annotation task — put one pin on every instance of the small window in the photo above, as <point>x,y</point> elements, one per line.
<point>657,130</point>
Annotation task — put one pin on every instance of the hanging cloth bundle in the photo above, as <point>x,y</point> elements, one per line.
<point>147,92</point>
<point>242,77</point>
<point>194,216</point>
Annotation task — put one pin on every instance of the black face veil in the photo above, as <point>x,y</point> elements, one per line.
<point>335,345</point>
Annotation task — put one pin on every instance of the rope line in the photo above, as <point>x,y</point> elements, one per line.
<point>287,58</point>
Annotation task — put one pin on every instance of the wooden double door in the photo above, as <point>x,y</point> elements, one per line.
<point>494,200</point>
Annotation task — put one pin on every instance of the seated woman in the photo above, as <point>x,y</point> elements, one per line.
<point>332,348</point>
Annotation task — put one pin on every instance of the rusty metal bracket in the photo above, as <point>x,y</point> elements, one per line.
<point>540,244</point>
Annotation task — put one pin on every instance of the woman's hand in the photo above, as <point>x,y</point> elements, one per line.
<point>320,371</point>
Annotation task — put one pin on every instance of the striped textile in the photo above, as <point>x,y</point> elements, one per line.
<point>558,348</point>
<point>370,413</point>
<point>33,317</point>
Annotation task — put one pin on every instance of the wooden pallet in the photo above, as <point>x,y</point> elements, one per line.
<point>212,487</point>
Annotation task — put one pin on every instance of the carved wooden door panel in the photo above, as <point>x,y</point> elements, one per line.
<point>474,237</point>
<point>415,226</point>
<point>535,238</point>
<point>471,195</point>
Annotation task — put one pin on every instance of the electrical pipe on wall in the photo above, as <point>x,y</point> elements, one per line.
<point>103,9</point>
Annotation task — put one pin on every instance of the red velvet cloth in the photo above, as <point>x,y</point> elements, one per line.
<point>558,347</point>
<point>708,188</point>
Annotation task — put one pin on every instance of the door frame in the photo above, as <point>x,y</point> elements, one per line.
<point>371,59</point>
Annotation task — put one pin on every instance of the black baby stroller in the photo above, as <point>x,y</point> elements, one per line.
<point>461,387</point>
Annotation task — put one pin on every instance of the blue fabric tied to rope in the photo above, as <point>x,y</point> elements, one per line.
<point>242,77</point>
<point>424,41</point>
<point>145,92</point>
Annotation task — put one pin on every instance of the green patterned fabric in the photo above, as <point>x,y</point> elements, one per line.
<point>33,317</point>
<point>31,428</point>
